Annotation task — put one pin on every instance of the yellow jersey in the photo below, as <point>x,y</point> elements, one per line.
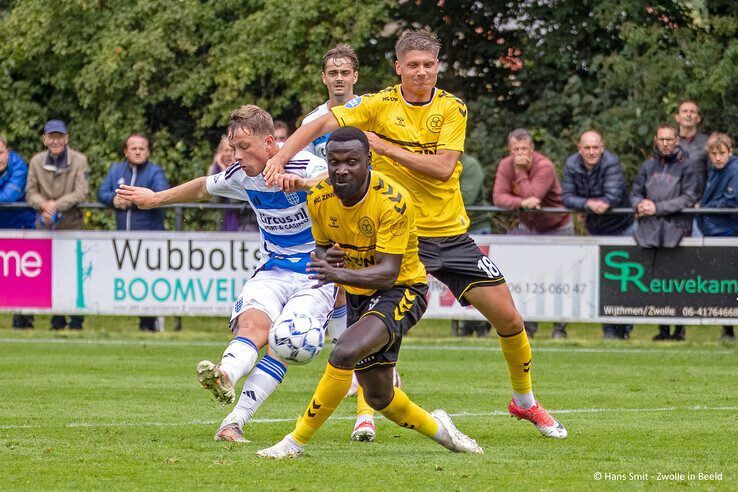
<point>424,129</point>
<point>383,221</point>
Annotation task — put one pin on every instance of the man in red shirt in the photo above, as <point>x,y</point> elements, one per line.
<point>526,180</point>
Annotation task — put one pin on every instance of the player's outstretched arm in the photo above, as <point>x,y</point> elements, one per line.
<point>144,198</point>
<point>439,166</point>
<point>380,276</point>
<point>297,141</point>
<point>291,182</point>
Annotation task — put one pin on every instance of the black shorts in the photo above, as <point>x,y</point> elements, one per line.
<point>457,262</point>
<point>399,308</point>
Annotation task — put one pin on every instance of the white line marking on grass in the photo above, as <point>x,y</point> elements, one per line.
<point>495,413</point>
<point>407,346</point>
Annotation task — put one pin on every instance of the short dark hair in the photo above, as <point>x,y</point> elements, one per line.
<point>139,135</point>
<point>349,133</point>
<point>667,126</point>
<point>341,51</point>
<point>281,124</point>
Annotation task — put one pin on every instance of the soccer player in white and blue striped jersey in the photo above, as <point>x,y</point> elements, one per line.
<point>280,287</point>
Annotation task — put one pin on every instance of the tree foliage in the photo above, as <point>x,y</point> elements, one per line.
<point>559,67</point>
<point>175,69</point>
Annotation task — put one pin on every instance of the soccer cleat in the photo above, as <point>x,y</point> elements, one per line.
<point>231,433</point>
<point>364,431</point>
<point>211,378</point>
<point>286,448</point>
<point>547,425</point>
<point>452,438</point>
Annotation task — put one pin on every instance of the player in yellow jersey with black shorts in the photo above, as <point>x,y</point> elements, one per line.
<point>364,229</point>
<point>416,132</point>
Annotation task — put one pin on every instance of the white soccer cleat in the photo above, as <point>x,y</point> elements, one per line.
<point>286,448</point>
<point>364,431</point>
<point>230,433</point>
<point>452,438</point>
<point>231,430</point>
<point>213,379</point>
<point>538,416</point>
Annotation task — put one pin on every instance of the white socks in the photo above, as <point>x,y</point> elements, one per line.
<point>337,325</point>
<point>261,383</point>
<point>524,400</point>
<point>239,358</point>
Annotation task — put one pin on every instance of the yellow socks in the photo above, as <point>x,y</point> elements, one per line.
<point>516,350</point>
<point>362,407</point>
<point>405,413</point>
<point>330,391</point>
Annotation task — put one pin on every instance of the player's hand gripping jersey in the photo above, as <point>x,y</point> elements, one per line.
<point>383,221</point>
<point>424,129</point>
<point>286,237</point>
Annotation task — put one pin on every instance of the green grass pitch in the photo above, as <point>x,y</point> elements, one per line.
<point>110,408</point>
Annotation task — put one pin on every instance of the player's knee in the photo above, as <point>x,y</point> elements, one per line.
<point>344,356</point>
<point>509,323</point>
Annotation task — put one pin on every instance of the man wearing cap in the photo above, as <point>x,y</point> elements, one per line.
<point>57,183</point>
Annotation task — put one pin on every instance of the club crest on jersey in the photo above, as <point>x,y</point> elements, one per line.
<point>399,227</point>
<point>366,226</point>
<point>293,198</point>
<point>353,103</point>
<point>434,123</point>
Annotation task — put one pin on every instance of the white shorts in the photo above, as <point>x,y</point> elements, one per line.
<point>280,293</point>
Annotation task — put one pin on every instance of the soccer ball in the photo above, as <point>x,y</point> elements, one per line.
<point>297,339</point>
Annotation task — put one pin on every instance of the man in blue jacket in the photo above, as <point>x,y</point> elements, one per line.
<point>135,170</point>
<point>594,181</point>
<point>13,173</point>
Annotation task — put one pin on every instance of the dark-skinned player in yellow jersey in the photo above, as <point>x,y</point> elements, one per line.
<point>416,132</point>
<point>364,229</point>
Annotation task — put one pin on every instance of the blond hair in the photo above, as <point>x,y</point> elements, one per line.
<point>718,140</point>
<point>251,119</point>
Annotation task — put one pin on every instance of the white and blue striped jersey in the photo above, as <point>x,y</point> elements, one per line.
<point>284,224</point>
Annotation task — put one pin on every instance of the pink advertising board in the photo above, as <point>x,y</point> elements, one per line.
<point>25,273</point>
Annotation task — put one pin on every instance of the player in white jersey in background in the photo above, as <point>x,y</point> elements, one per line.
<point>340,71</point>
<point>280,287</point>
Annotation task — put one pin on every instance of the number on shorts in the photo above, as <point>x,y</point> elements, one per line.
<point>486,265</point>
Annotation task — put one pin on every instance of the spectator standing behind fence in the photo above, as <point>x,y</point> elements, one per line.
<point>721,192</point>
<point>13,173</point>
<point>664,185</point>
<point>135,170</point>
<point>527,180</point>
<point>233,220</point>
<point>692,143</point>
<point>56,185</point>
<point>593,181</point>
